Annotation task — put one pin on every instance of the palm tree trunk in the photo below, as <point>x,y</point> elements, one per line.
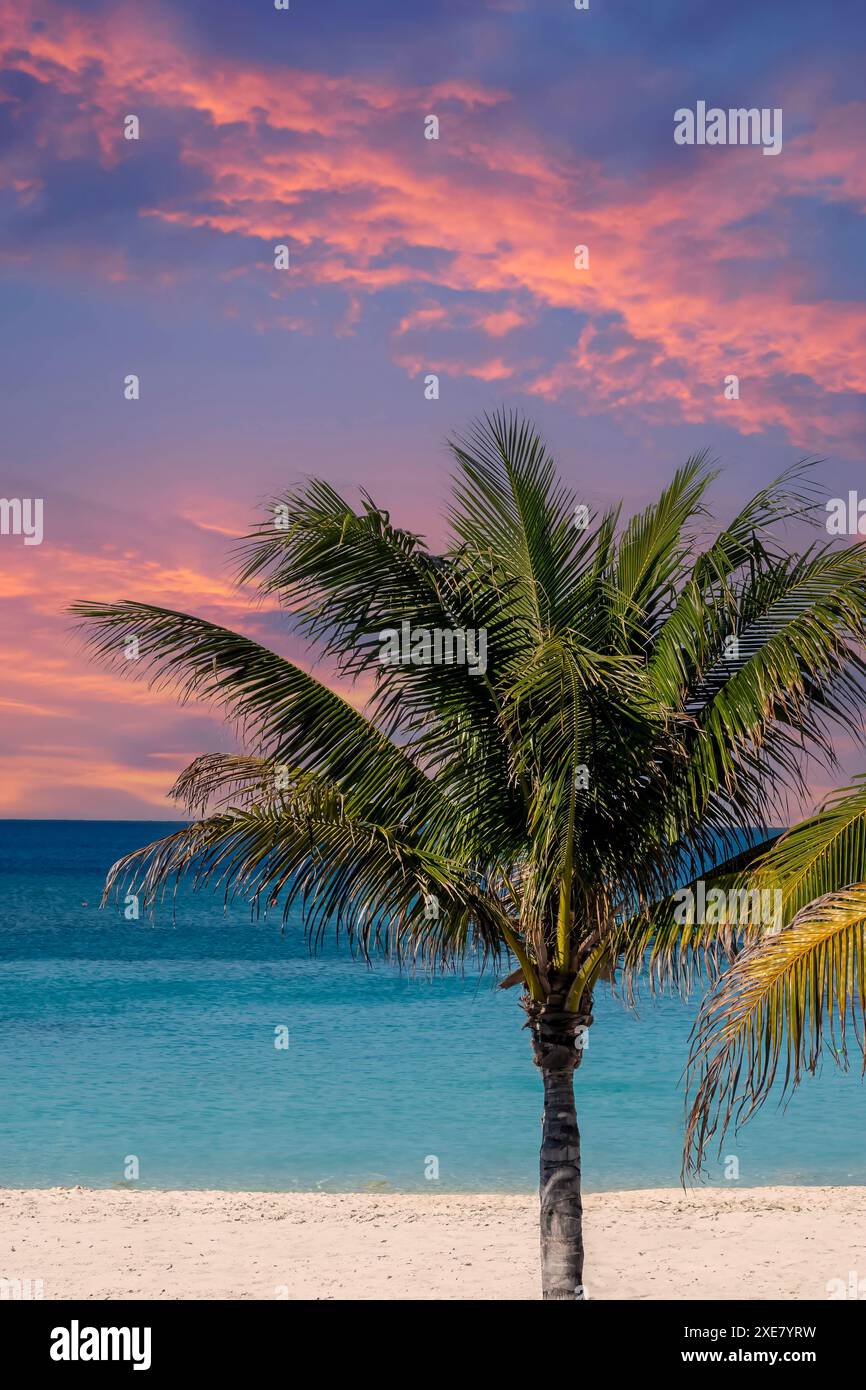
<point>553,1036</point>
<point>561,1207</point>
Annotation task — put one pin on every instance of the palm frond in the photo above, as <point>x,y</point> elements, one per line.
<point>280,711</point>
<point>789,993</point>
<point>820,854</point>
<point>652,551</point>
<point>348,875</point>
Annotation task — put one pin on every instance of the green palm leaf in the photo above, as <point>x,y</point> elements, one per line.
<point>788,994</point>
<point>278,709</point>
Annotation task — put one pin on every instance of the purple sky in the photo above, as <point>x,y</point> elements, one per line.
<point>408,256</point>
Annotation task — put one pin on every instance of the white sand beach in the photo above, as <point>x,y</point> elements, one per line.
<point>771,1242</point>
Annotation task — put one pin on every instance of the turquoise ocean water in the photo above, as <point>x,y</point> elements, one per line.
<point>157,1040</point>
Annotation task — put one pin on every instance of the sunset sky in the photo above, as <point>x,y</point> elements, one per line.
<point>408,256</point>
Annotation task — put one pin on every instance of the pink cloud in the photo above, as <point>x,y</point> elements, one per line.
<point>338,165</point>
<point>284,150</point>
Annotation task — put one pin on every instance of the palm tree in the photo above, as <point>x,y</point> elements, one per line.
<point>647,693</point>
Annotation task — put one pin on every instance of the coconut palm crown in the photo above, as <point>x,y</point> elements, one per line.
<point>646,706</point>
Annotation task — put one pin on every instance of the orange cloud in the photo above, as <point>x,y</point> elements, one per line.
<point>89,754</point>
<point>339,164</point>
<point>498,323</point>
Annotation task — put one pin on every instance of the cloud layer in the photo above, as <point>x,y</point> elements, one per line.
<point>454,256</point>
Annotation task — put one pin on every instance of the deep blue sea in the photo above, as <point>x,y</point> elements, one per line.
<point>155,1039</point>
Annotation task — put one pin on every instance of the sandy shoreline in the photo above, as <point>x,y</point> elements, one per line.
<point>770,1242</point>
